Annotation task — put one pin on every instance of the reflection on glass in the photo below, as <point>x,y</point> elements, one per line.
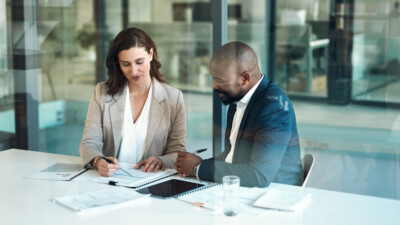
<point>375,58</point>
<point>302,43</point>
<point>7,118</point>
<point>182,32</point>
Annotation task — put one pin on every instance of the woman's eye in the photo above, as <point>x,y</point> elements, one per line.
<point>139,63</point>
<point>125,64</point>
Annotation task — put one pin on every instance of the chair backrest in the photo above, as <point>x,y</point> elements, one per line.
<point>307,162</point>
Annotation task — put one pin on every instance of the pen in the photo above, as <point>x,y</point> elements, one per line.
<point>199,151</point>
<point>111,162</point>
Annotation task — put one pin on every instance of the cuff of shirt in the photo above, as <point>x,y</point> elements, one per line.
<point>197,171</point>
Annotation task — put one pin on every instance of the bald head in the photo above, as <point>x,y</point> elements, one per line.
<point>234,68</point>
<point>239,55</point>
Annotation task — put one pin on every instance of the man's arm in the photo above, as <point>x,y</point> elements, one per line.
<point>272,133</point>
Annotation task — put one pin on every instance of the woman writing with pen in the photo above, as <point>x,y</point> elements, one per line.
<point>134,117</point>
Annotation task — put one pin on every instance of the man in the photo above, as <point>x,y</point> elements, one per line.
<point>261,142</point>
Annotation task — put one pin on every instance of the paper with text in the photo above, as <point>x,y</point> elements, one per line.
<point>284,200</point>
<point>138,177</point>
<point>101,199</point>
<point>58,171</point>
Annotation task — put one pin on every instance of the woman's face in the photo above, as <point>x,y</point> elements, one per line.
<point>135,64</point>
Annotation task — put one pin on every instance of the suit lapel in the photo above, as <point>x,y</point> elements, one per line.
<point>117,118</point>
<point>257,93</point>
<point>156,113</point>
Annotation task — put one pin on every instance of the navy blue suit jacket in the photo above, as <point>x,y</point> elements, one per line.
<point>267,146</point>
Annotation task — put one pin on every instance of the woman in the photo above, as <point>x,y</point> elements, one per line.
<point>134,116</point>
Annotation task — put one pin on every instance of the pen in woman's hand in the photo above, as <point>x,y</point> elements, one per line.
<point>199,151</point>
<point>111,162</point>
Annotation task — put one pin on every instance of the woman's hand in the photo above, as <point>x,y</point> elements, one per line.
<point>107,169</point>
<point>151,164</point>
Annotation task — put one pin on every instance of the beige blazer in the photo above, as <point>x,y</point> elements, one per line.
<point>165,133</point>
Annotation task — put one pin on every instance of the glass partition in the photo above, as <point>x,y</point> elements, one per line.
<point>73,38</point>
<point>328,56</point>
<point>7,119</point>
<point>341,53</point>
<point>182,31</point>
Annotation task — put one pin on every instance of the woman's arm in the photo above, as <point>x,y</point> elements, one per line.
<point>92,141</point>
<point>176,138</point>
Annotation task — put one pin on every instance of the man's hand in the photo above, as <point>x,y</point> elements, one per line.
<point>107,169</point>
<point>151,164</point>
<point>185,163</point>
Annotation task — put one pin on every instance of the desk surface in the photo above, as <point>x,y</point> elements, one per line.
<point>28,201</point>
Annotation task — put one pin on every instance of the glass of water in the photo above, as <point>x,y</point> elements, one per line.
<point>231,195</point>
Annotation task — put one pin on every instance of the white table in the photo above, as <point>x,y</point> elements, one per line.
<point>28,201</point>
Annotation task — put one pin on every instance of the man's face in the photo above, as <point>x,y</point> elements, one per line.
<point>226,81</point>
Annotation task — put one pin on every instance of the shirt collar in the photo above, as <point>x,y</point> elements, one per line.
<point>245,99</point>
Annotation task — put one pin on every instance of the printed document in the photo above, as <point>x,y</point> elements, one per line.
<point>101,199</point>
<point>59,171</point>
<point>284,200</point>
<point>136,177</point>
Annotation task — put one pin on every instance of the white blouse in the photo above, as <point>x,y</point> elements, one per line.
<point>134,134</point>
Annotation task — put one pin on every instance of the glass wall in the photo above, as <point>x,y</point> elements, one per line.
<point>73,39</point>
<point>7,119</point>
<point>375,57</point>
<point>328,52</point>
<point>326,55</point>
<point>182,33</point>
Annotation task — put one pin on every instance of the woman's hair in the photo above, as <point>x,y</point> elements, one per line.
<point>126,39</point>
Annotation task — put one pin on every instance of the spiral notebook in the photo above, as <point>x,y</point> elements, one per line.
<point>173,188</point>
<point>136,179</point>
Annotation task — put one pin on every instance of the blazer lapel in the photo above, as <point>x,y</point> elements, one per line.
<point>156,113</point>
<point>117,110</point>
<point>263,84</point>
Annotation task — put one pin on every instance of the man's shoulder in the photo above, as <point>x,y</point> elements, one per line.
<point>272,93</point>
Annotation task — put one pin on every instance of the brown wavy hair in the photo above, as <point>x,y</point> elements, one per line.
<point>126,39</point>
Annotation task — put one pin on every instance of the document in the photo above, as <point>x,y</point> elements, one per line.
<point>284,200</point>
<point>135,179</point>
<point>101,199</point>
<point>59,171</point>
<point>212,198</point>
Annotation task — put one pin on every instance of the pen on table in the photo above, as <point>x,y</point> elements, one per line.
<point>111,162</point>
<point>199,151</point>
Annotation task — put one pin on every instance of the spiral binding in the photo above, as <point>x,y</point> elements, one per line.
<point>197,190</point>
<point>150,182</point>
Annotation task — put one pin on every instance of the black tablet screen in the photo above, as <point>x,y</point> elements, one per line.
<point>170,188</point>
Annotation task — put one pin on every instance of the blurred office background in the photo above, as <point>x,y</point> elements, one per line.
<point>338,60</point>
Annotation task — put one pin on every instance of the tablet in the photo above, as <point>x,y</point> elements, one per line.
<point>171,188</point>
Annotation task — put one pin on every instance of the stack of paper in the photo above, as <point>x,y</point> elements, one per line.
<point>99,199</point>
<point>284,200</point>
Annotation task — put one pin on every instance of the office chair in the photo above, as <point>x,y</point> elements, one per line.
<point>307,162</point>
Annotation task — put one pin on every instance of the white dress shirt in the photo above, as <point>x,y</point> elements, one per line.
<point>241,106</point>
<point>134,133</point>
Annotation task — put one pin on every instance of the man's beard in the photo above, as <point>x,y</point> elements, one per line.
<point>229,99</point>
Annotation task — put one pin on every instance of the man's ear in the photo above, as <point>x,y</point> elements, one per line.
<point>245,78</point>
